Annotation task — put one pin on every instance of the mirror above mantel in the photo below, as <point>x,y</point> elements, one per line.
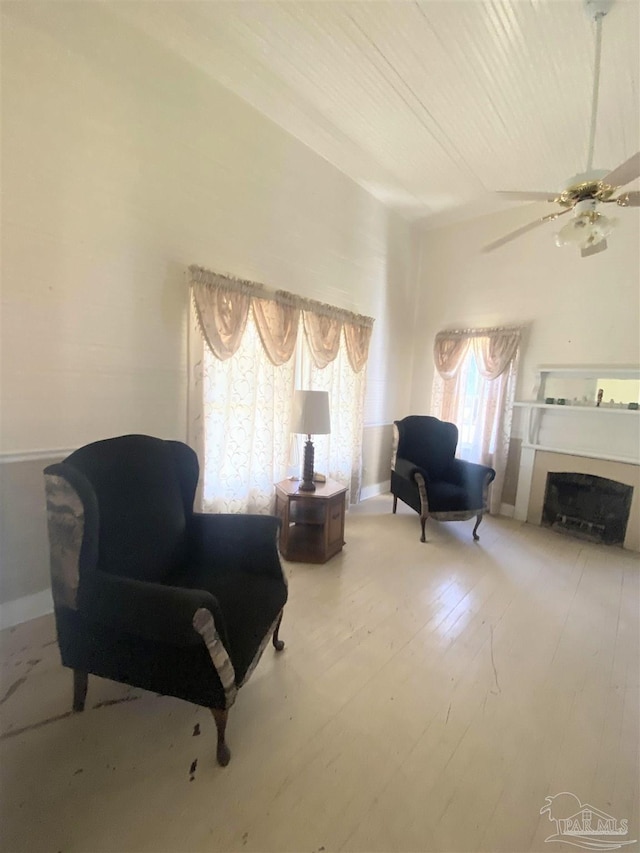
<point>565,415</point>
<point>604,386</point>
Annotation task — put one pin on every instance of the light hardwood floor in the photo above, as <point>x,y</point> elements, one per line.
<point>430,697</point>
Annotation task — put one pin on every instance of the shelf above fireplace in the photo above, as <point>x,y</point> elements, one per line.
<point>587,409</point>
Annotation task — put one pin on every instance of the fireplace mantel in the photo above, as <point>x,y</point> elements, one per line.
<point>582,431</point>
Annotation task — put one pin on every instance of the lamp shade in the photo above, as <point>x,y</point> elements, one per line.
<point>311,413</point>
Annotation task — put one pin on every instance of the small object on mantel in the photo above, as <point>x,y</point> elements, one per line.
<point>633,406</point>
<point>561,401</point>
<point>550,400</point>
<point>600,393</point>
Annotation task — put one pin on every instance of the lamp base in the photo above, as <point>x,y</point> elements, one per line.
<point>307,484</point>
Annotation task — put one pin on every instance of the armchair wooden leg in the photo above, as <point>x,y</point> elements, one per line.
<point>395,503</point>
<point>278,644</point>
<point>223,753</point>
<point>423,521</point>
<point>80,683</point>
<point>478,520</point>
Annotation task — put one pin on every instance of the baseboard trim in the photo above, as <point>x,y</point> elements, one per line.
<point>23,609</point>
<point>508,510</point>
<point>376,489</point>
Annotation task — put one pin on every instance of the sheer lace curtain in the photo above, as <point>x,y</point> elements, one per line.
<point>246,357</point>
<point>246,408</point>
<point>339,454</point>
<point>474,388</point>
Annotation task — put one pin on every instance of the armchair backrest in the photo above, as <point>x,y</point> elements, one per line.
<point>427,442</point>
<point>142,489</point>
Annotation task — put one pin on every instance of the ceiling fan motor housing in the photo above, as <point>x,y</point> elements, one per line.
<point>585,187</point>
<point>584,208</point>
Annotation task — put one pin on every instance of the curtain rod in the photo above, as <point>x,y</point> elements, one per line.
<point>479,331</point>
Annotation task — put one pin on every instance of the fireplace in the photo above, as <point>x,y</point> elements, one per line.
<point>601,442</point>
<point>587,506</point>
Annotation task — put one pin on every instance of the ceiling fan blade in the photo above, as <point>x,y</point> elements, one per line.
<point>551,216</point>
<point>626,172</point>
<point>528,196</point>
<point>593,250</point>
<point>522,230</point>
<point>630,199</point>
<point>512,236</point>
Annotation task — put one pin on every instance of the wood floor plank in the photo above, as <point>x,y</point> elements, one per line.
<point>429,698</point>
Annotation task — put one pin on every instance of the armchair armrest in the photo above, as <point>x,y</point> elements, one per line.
<point>408,470</point>
<point>473,476</point>
<point>149,610</point>
<point>234,542</point>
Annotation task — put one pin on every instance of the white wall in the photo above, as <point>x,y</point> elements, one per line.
<point>578,310</point>
<point>122,165</point>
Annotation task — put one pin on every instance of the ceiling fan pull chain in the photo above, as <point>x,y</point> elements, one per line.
<point>596,91</point>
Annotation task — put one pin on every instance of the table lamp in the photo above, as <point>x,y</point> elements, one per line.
<point>310,417</point>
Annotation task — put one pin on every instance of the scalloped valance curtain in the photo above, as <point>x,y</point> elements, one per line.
<point>222,306</point>
<point>474,387</point>
<point>246,356</point>
<point>494,349</point>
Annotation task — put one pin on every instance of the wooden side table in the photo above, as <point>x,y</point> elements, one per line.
<point>312,522</point>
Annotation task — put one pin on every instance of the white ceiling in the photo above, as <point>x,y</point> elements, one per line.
<point>430,106</point>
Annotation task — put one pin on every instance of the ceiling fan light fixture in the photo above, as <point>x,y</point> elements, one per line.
<point>586,229</point>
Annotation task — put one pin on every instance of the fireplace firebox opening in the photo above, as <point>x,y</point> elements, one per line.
<point>586,506</point>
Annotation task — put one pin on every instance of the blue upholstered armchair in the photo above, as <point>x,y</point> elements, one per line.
<point>147,591</point>
<point>426,475</point>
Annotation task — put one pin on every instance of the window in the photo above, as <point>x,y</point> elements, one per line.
<point>474,387</point>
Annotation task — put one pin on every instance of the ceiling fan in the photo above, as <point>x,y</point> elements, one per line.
<point>584,193</point>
